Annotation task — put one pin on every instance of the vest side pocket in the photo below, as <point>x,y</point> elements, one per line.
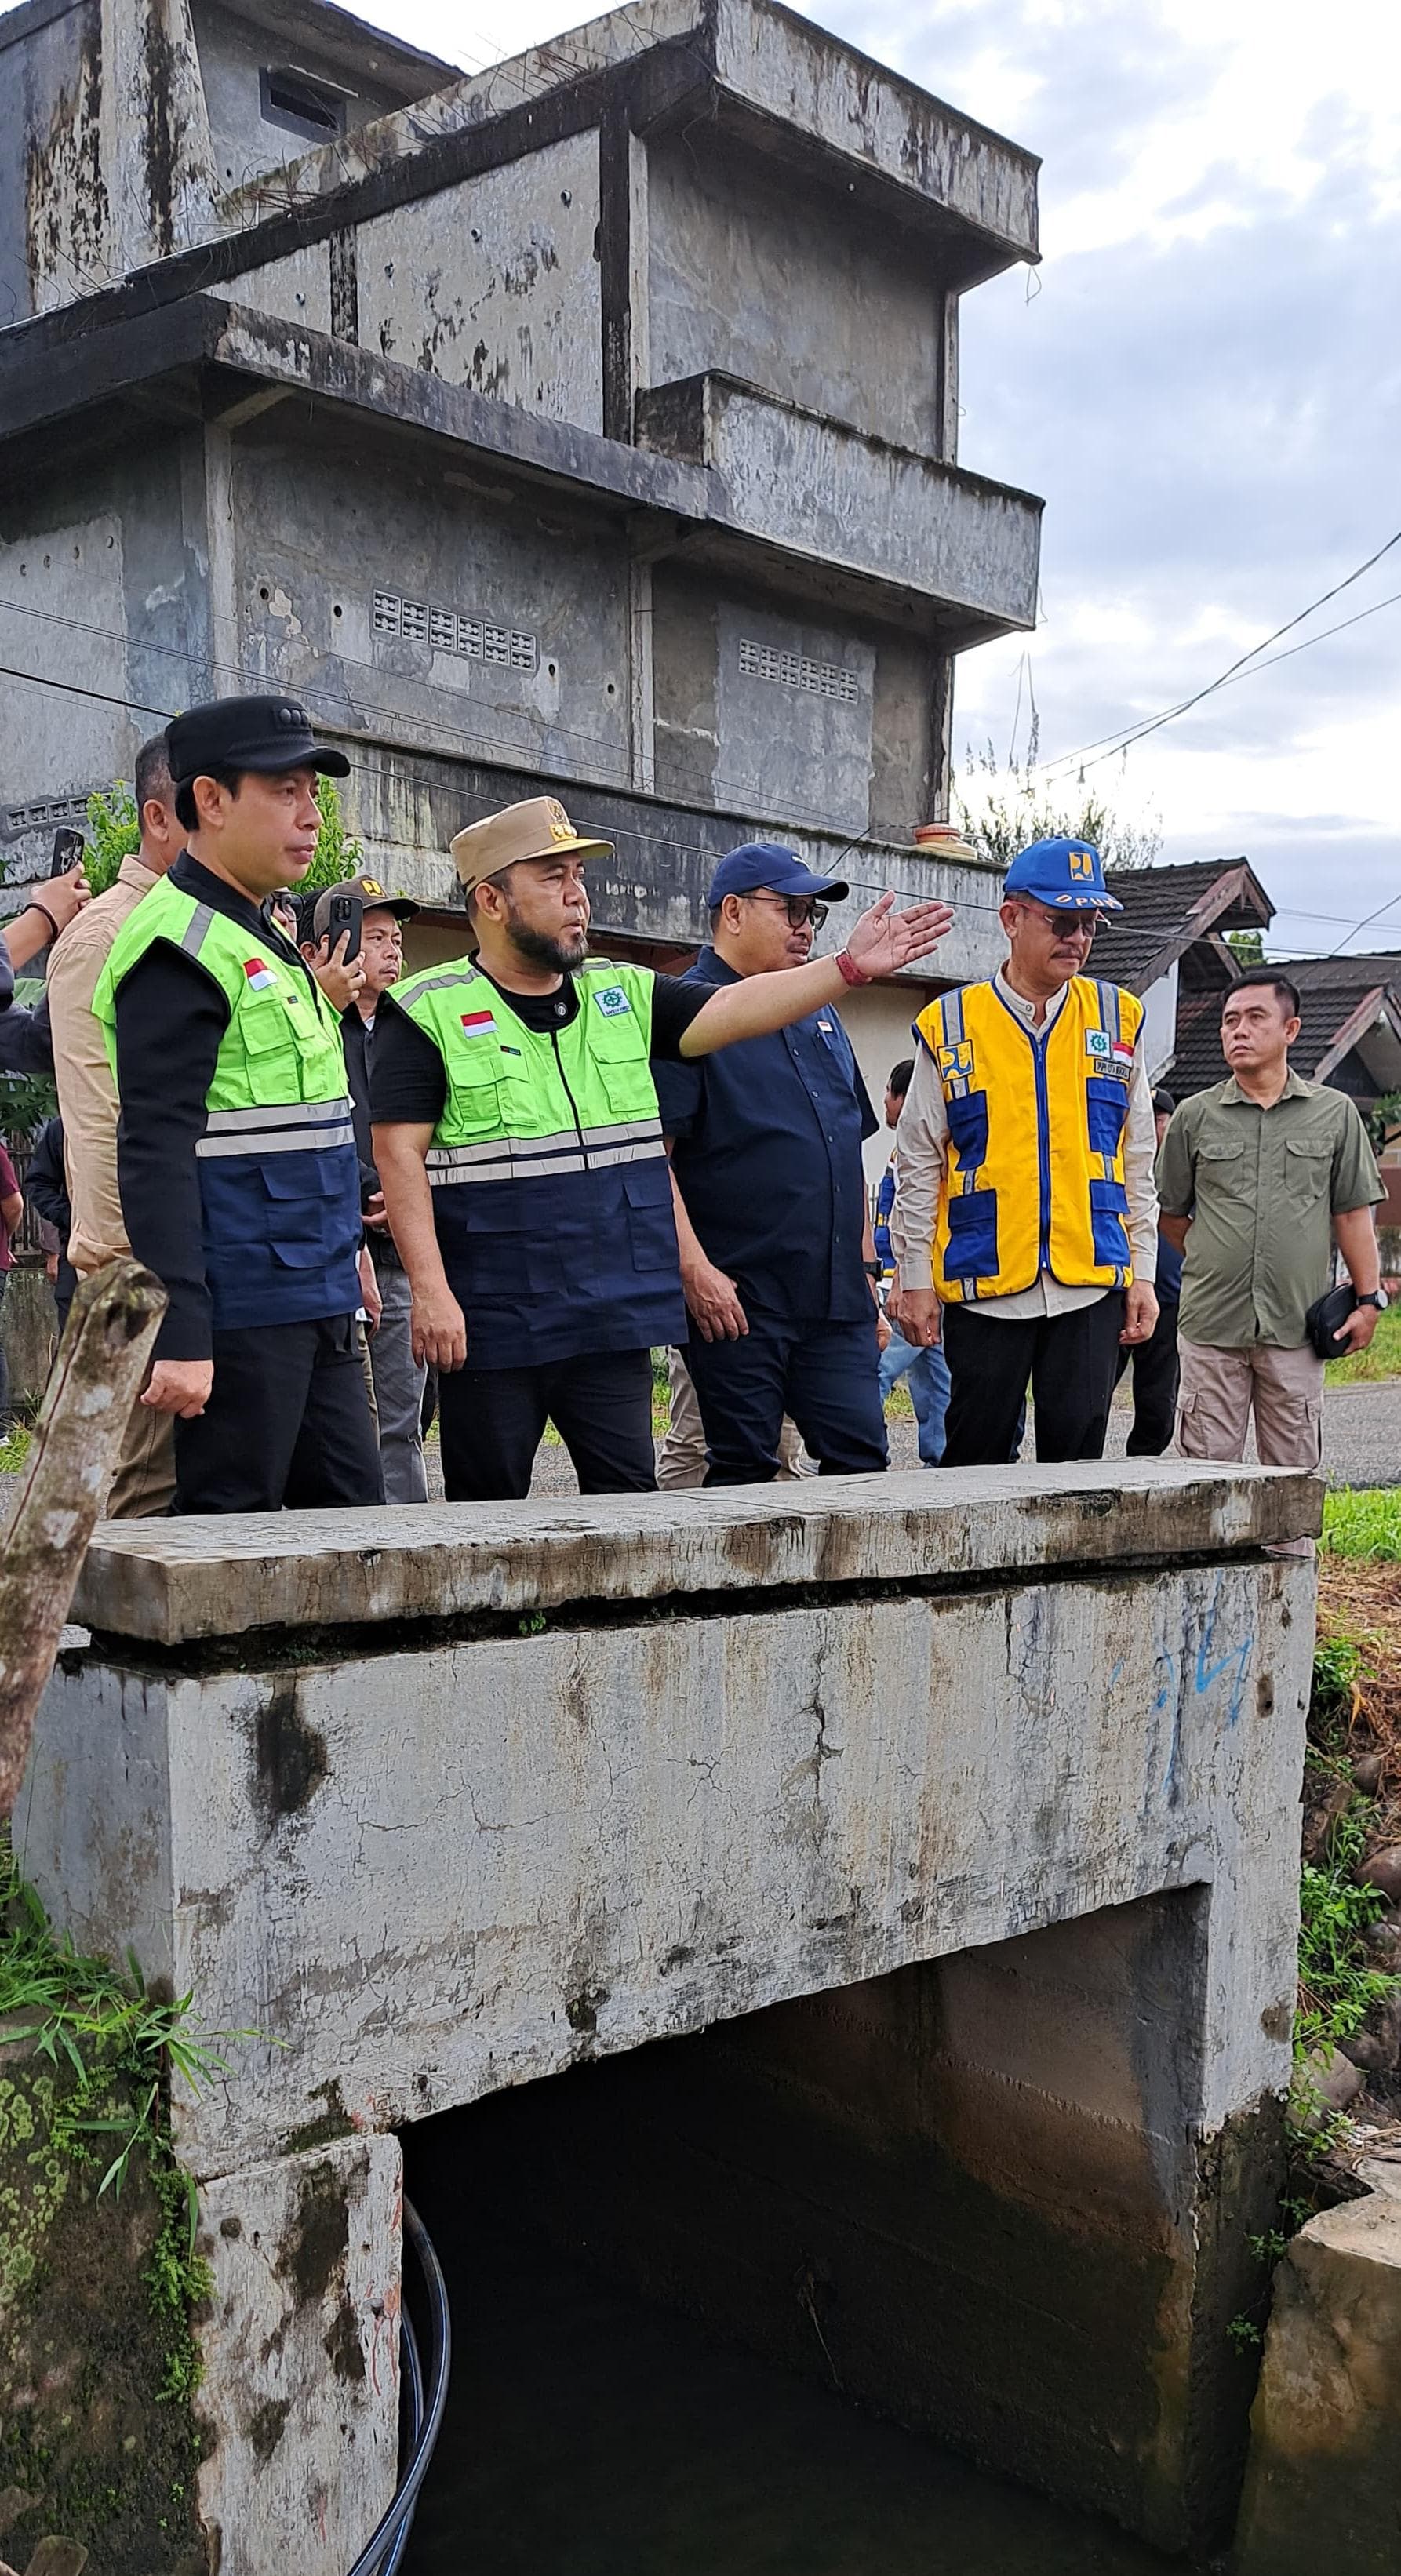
<point>972,1248</point>
<point>1109,1206</point>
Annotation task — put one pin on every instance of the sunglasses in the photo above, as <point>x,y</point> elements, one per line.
<point>800,908</point>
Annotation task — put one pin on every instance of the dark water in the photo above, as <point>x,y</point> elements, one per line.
<point>589,2434</point>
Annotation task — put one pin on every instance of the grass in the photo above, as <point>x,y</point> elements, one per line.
<point>1365,1524</point>
<point>14,1448</point>
<point>1382,1358</point>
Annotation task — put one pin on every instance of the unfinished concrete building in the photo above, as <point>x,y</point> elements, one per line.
<point>589,424</point>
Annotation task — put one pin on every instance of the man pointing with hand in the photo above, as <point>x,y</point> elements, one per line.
<point>520,1149</point>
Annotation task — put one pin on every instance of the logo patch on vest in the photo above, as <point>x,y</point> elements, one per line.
<point>478,1024</point>
<point>956,1060</point>
<point>612,1001</point>
<point>1098,1043</point>
<point>260,975</point>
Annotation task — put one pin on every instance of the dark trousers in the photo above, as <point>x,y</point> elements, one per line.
<point>1155,1374</point>
<point>827,1376</point>
<point>1071,1361</point>
<point>493,1421</point>
<point>288,1425</point>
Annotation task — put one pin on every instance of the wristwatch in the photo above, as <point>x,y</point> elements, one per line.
<point>1376,1297</point>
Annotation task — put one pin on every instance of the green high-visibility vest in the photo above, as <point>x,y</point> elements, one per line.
<point>551,1190</point>
<point>278,1170</point>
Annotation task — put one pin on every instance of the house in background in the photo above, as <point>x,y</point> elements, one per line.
<point>1169,946</point>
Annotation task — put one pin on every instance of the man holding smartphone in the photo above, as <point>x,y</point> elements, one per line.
<point>361,921</point>
<point>236,1161</point>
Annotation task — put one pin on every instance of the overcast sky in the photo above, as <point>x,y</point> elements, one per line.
<point>1203,379</point>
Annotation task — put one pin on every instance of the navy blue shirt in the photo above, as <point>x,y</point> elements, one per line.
<point>1169,1278</point>
<point>768,1160</point>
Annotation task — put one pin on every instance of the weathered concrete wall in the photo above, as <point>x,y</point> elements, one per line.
<point>1323,2479</point>
<point>372,73</point>
<point>299,2406</point>
<point>750,279</point>
<point>858,502</point>
<point>247,1828</point>
<point>495,284</point>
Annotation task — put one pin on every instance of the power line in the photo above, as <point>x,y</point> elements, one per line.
<point>1124,740</point>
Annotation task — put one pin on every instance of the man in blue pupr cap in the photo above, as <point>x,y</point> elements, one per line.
<point>777,1259</point>
<point>1025,1219</point>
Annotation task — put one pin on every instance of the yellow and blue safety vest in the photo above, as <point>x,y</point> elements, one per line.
<point>551,1190</point>
<point>1034,1175</point>
<point>279,1176</point>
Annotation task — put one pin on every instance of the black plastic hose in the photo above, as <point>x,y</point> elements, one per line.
<point>384,2549</point>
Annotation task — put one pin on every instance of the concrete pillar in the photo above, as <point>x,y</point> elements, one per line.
<point>299,2404</point>
<point>29,1332</point>
<point>1323,2481</point>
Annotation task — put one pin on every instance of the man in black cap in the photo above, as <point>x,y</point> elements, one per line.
<point>778,1262</point>
<point>236,1155</point>
<point>399,1378</point>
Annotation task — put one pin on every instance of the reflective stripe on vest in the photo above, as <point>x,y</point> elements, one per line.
<point>551,1189</point>
<point>279,1173</point>
<point>1033,1177</point>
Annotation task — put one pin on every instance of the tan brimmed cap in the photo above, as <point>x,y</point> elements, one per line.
<point>539,828</point>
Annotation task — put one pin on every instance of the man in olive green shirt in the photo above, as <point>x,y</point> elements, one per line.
<point>1256,1179</point>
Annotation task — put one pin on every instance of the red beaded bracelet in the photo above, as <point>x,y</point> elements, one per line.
<point>848,970</point>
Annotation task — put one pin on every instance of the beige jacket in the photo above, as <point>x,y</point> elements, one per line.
<point>87,1095</point>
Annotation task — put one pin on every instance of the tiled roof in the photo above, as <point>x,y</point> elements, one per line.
<point>1158,905</point>
<point>1327,999</point>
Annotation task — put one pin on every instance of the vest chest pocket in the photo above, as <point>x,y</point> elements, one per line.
<point>1107,1108</point>
<point>265,1029</point>
<point>473,1111</point>
<point>968,1126</point>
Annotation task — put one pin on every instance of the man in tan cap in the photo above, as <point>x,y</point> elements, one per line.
<point>518,1142</point>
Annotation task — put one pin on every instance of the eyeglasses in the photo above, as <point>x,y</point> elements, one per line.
<point>800,908</point>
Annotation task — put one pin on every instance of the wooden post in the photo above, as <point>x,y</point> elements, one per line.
<point>97,1376</point>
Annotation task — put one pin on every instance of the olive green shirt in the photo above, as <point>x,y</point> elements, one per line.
<point>1261,1187</point>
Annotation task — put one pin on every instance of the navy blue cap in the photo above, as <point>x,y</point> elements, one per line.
<point>269,734</point>
<point>767,863</point>
<point>1066,874</point>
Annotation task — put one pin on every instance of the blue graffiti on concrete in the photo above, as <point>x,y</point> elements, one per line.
<point>1204,1671</point>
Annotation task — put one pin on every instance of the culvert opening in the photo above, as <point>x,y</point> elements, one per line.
<point>742,2303</point>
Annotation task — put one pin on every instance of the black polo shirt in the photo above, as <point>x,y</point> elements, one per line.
<point>768,1161</point>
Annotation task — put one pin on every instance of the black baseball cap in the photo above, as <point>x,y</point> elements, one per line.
<point>769,864</point>
<point>373,896</point>
<point>268,734</point>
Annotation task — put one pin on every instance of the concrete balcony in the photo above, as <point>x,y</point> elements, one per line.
<point>809,486</point>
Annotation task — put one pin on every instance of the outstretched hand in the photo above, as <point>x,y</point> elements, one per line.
<point>884,940</point>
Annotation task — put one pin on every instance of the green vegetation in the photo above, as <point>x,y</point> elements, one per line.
<point>1365,1524</point>
<point>1381,1359</point>
<point>1339,1981</point>
<point>14,1448</point>
<point>114,832</point>
<point>337,855</point>
<point>1002,818</point>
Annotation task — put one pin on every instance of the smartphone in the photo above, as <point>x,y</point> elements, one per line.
<point>345,913</point>
<point>70,849</point>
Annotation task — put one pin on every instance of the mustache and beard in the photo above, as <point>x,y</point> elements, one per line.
<point>536,948</point>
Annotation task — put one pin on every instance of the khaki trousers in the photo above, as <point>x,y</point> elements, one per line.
<point>1282,1388</point>
<point>144,1485</point>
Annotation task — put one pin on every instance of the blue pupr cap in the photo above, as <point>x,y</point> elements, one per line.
<point>767,863</point>
<point>1066,874</point>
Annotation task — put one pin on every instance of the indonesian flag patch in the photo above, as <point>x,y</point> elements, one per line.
<point>478,1024</point>
<point>1123,1054</point>
<point>260,975</point>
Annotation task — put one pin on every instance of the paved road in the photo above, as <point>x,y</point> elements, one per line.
<point>1362,1441</point>
<point>1362,1444</point>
